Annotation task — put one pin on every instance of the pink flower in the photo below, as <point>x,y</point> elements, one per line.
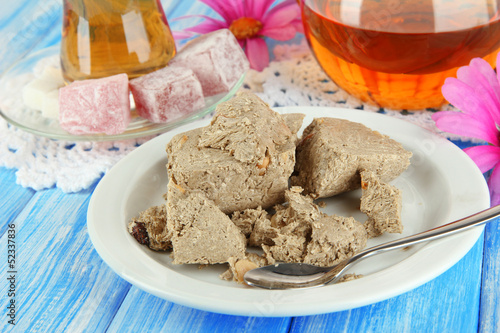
<point>178,35</point>
<point>252,20</point>
<point>476,92</point>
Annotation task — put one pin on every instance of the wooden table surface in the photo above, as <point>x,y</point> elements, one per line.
<point>62,285</point>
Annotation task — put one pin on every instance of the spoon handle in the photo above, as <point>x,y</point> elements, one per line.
<point>438,232</point>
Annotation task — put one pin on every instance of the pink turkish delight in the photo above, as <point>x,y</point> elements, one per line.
<point>167,94</point>
<point>216,59</point>
<point>95,106</point>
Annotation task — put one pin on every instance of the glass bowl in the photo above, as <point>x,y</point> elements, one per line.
<point>13,109</point>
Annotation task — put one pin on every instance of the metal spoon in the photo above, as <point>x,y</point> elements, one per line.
<point>297,275</point>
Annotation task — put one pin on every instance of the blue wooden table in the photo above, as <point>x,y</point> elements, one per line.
<point>62,285</point>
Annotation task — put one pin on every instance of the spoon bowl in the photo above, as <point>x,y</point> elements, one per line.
<point>299,275</point>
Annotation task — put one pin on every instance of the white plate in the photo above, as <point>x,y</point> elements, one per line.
<point>442,184</point>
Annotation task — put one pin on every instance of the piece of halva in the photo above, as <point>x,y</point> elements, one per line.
<point>238,267</point>
<point>292,226</point>
<point>235,178</point>
<point>246,219</point>
<point>381,202</point>
<point>201,232</point>
<point>332,152</point>
<point>289,227</point>
<point>334,239</point>
<point>150,228</point>
<point>247,128</point>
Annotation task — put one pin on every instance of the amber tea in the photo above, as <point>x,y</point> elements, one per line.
<point>103,38</point>
<point>397,54</point>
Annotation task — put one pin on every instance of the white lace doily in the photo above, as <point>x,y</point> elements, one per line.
<point>293,78</point>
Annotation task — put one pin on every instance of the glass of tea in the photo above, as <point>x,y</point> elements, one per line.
<point>397,53</point>
<point>106,37</point>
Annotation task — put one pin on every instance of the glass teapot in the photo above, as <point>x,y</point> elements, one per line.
<point>397,53</point>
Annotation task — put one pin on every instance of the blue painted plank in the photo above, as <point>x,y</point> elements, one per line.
<point>170,5</point>
<point>448,303</point>
<point>489,320</point>
<point>30,23</point>
<point>142,312</point>
<point>52,38</point>
<point>62,284</point>
<point>463,144</point>
<point>13,198</point>
<point>490,289</point>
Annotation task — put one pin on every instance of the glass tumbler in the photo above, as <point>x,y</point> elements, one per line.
<point>106,37</point>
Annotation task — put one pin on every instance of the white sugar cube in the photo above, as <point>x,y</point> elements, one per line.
<point>50,104</point>
<point>53,75</point>
<point>35,91</point>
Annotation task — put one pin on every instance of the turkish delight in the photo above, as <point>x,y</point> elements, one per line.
<point>95,106</point>
<point>167,94</point>
<point>216,59</point>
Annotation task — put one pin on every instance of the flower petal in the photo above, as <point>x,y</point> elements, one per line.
<point>464,97</point>
<point>242,42</point>
<point>257,53</point>
<point>204,28</point>
<point>209,25</point>
<point>465,125</point>
<point>230,10</point>
<point>205,17</point>
<point>498,66</point>
<point>299,26</point>
<point>494,186</point>
<point>179,35</point>
<point>240,8</point>
<point>481,77</point>
<point>281,15</point>
<point>483,67</point>
<point>257,8</point>
<point>284,4</point>
<point>281,33</point>
<point>485,157</point>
